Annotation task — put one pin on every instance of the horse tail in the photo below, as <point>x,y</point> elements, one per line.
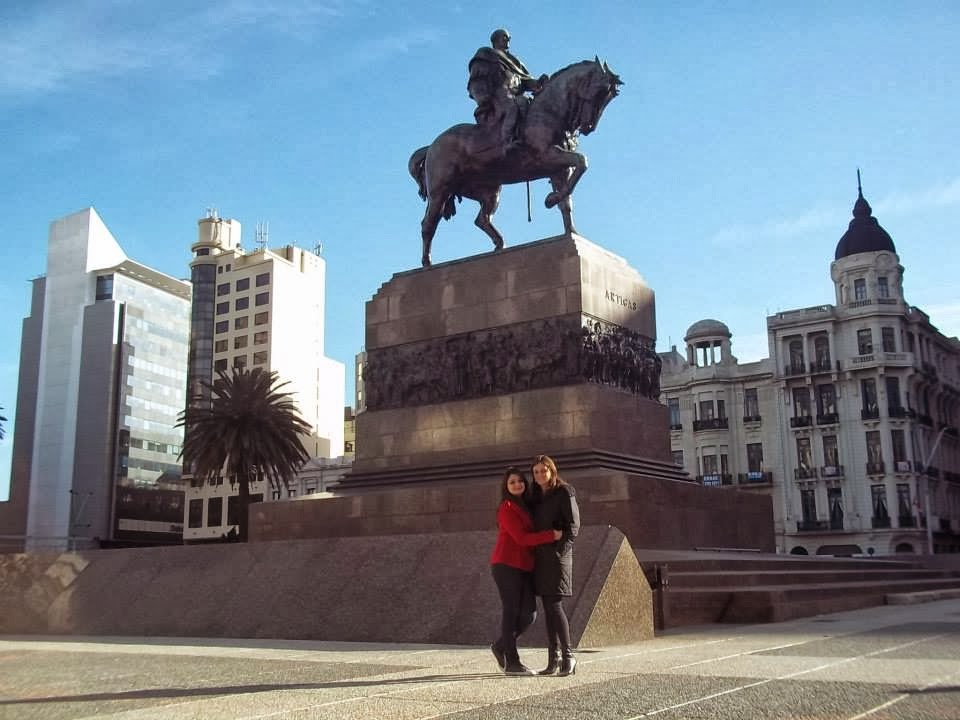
<point>417,168</point>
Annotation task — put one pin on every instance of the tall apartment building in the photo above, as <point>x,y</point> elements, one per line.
<point>850,424</point>
<point>263,308</point>
<point>103,371</point>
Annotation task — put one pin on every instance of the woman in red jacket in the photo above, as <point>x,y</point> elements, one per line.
<point>511,564</point>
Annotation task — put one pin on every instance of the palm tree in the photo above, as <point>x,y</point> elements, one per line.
<point>3,431</point>
<point>246,429</point>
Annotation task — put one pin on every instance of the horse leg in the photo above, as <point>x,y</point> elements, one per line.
<point>558,183</point>
<point>564,159</point>
<point>489,202</point>
<point>428,227</point>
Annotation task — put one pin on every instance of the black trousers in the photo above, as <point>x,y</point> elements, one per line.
<point>519,606</point>
<point>558,627</point>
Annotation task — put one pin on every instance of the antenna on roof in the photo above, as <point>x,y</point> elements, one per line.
<point>263,235</point>
<point>859,187</point>
<point>213,213</point>
<point>318,248</point>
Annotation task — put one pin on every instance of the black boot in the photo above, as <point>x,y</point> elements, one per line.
<point>498,654</point>
<point>553,662</point>
<point>568,663</point>
<point>515,667</point>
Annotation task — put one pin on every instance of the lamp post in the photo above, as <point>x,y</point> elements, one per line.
<point>926,498</point>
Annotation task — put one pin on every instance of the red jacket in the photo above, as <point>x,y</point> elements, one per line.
<point>516,539</point>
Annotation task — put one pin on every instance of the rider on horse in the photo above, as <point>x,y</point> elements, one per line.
<point>498,81</point>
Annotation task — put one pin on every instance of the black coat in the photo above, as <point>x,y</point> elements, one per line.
<point>553,568</point>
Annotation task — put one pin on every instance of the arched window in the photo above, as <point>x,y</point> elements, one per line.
<point>799,551</point>
<point>904,548</point>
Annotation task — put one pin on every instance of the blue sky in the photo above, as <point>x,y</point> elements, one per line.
<point>725,172</point>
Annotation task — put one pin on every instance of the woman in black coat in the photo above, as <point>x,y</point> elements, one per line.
<point>555,509</point>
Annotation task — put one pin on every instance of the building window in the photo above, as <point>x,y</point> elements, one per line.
<point>893,396</point>
<point>859,289</point>
<point>826,400</point>
<point>228,267</point>
<point>239,342</point>
<point>831,455</point>
<point>240,361</point>
<point>262,298</point>
<point>883,287</point>
<point>263,279</point>
<point>911,344</point>
<point>348,448</point>
<point>233,510</point>
<point>898,442</point>
<point>755,457</point>
<point>878,494</point>
<point>874,452</point>
<point>291,492</point>
<point>260,357</point>
<point>706,409</point>
<point>241,303</point>
<point>751,405</point>
<point>223,308</point>
<point>261,318</point>
<point>821,350</point>
<point>219,267</point>
<point>223,289</point>
<point>804,457</point>
<point>195,514</point>
<point>203,251</point>
<point>864,341</point>
<point>795,348</point>
<point>887,339</point>
<point>215,512</point>
<point>808,505</point>
<point>260,338</point>
<point>801,402</point>
<point>222,326</point>
<point>835,503</point>
<point>868,392</point>
<point>241,323</point>
<point>243,284</point>
<point>220,364</point>
<point>904,506</point>
<point>220,346</point>
<point>104,287</point>
<point>673,405</point>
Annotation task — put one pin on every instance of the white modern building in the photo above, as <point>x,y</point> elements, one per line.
<point>850,424</point>
<point>262,308</point>
<point>103,371</point>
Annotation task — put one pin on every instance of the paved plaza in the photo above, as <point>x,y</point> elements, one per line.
<point>880,663</point>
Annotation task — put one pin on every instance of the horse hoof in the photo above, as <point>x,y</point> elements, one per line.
<point>497,247</point>
<point>552,199</point>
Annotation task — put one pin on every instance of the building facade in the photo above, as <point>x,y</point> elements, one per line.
<point>850,424</point>
<point>103,370</point>
<point>263,308</point>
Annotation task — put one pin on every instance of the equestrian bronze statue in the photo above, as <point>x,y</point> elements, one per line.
<point>515,139</point>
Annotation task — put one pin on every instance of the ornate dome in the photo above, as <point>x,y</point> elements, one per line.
<point>707,328</point>
<point>864,234</point>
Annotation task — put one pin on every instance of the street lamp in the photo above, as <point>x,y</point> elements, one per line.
<point>926,498</point>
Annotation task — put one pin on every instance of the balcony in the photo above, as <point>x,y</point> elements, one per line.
<point>795,369</point>
<point>831,471</point>
<point>932,471</point>
<point>816,526</point>
<point>880,522</point>
<point>751,418</point>
<point>907,521</point>
<point>828,419</point>
<point>903,466</point>
<point>896,411</point>
<point>799,421</point>
<point>804,473</point>
<point>875,468</point>
<point>870,413</point>
<point>677,426</point>
<point>925,420</point>
<point>821,366</point>
<point>756,477</point>
<point>715,479</point>
<point>710,424</point>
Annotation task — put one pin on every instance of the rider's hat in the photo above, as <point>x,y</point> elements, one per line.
<point>497,33</point>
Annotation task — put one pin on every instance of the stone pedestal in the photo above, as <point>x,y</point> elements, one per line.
<point>541,348</point>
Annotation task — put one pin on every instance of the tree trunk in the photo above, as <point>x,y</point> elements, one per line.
<point>243,521</point>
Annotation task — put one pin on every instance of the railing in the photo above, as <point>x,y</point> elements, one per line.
<point>875,468</point>
<point>903,466</point>
<point>887,301</point>
<point>896,411</point>
<point>932,471</point>
<point>794,369</point>
<point>756,477</point>
<point>880,522</point>
<point>831,471</point>
<point>751,418</point>
<point>828,419</point>
<point>715,479</point>
<point>677,426</point>
<point>907,521</point>
<point>812,525</point>
<point>710,424</point>
<point>925,420</point>
<point>859,303</point>
<point>862,358</point>
<point>802,473</point>
<point>819,366</point>
<point>801,421</point>
<point>870,414</point>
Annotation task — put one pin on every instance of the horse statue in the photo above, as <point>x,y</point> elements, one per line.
<point>469,160</point>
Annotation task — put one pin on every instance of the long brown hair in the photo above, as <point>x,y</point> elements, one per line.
<point>555,479</point>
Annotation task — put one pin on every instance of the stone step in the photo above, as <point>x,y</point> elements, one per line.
<point>752,578</point>
<point>775,603</point>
